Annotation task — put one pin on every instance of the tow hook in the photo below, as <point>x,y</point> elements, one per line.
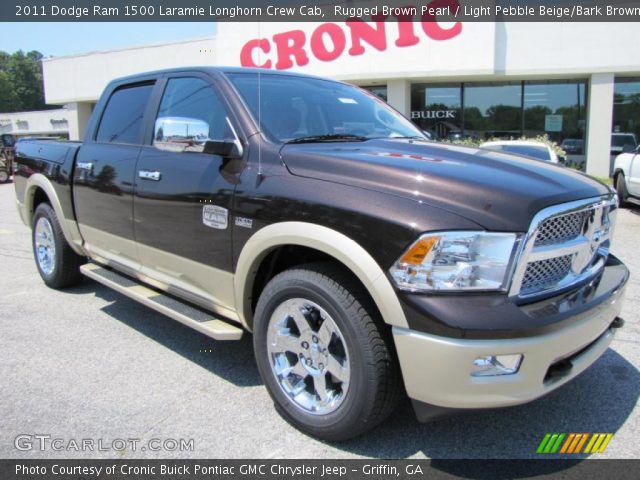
<point>618,322</point>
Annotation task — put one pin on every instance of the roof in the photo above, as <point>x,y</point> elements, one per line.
<point>210,69</point>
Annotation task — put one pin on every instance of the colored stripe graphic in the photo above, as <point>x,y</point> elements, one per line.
<point>551,443</point>
<point>594,437</point>
<point>574,442</point>
<point>584,439</point>
<point>566,445</point>
<point>543,443</point>
<point>598,443</point>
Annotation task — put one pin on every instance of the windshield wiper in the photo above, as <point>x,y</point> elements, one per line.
<point>414,137</point>
<point>333,137</point>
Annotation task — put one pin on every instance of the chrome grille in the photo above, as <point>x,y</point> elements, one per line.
<point>565,244</point>
<point>560,228</point>
<point>545,274</point>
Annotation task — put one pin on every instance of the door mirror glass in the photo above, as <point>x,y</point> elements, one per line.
<point>180,134</point>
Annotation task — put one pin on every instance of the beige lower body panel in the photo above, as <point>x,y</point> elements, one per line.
<point>205,286</point>
<point>437,370</point>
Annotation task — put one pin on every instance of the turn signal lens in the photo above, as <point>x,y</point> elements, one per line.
<point>415,255</point>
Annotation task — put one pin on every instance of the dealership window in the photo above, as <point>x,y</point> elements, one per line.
<point>503,109</point>
<point>557,109</point>
<point>379,91</point>
<point>437,109</point>
<point>626,106</point>
<point>493,110</point>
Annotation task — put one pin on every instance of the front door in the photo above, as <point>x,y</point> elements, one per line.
<point>182,201</point>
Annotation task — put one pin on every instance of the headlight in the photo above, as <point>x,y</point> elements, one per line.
<point>455,261</point>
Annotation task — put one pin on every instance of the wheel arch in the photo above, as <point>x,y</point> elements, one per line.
<point>39,189</point>
<point>325,241</point>
<point>617,172</point>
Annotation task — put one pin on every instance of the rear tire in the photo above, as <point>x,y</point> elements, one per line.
<point>621,190</point>
<point>324,354</point>
<point>4,176</point>
<point>57,263</point>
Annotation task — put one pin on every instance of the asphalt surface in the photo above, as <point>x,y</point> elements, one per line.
<point>89,363</point>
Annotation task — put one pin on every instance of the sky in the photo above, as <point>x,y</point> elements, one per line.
<point>57,39</point>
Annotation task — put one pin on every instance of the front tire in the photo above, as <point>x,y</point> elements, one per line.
<point>324,354</point>
<point>621,190</point>
<point>58,264</point>
<point>4,176</point>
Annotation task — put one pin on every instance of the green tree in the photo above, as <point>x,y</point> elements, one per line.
<point>21,86</point>
<point>9,101</point>
<point>534,117</point>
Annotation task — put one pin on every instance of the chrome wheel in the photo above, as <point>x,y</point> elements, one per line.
<point>308,356</point>
<point>45,246</point>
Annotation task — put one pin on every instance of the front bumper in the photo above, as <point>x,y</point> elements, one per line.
<point>437,370</point>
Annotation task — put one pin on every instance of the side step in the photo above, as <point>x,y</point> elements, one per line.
<point>195,318</point>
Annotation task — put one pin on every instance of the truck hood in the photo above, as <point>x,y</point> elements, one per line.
<point>501,192</point>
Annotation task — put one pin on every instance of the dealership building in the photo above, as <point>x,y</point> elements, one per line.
<point>571,81</point>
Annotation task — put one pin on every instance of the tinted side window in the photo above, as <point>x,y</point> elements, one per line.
<point>122,118</point>
<point>190,114</point>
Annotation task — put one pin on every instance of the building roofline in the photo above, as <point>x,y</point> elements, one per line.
<point>52,110</point>
<point>124,49</point>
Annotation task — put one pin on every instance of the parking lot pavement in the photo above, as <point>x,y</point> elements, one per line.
<point>88,363</point>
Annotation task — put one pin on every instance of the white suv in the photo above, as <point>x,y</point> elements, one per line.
<point>626,175</point>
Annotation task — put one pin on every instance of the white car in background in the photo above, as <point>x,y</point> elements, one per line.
<point>622,142</point>
<point>537,150</point>
<point>626,176</point>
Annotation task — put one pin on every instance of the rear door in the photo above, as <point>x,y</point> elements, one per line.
<point>183,195</point>
<point>105,172</point>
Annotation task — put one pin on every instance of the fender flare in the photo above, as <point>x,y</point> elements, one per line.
<point>326,240</point>
<point>69,227</point>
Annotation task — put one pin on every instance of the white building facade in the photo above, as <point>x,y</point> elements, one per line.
<point>45,122</point>
<point>575,82</point>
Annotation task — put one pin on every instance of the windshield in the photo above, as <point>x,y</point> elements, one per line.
<point>622,140</point>
<point>293,109</point>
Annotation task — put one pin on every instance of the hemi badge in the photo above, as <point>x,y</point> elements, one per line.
<point>244,222</point>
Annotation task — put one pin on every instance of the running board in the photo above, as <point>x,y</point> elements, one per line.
<point>199,320</point>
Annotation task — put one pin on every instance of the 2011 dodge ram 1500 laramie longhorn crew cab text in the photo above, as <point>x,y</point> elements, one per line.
<point>363,257</point>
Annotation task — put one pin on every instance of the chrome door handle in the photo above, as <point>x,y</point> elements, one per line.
<point>149,175</point>
<point>85,165</point>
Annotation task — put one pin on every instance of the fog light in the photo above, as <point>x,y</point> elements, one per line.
<point>493,365</point>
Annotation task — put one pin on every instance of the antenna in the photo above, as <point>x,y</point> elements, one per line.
<point>260,110</point>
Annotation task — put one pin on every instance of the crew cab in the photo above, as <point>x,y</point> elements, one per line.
<point>362,257</point>
<point>626,175</point>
